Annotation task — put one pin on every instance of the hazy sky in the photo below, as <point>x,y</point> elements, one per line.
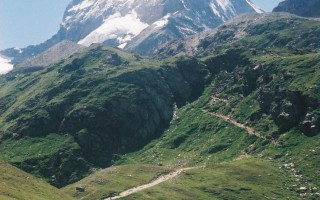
<point>27,22</point>
<point>266,5</point>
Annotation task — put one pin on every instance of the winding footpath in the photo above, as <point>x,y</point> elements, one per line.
<point>250,130</point>
<point>173,174</point>
<point>155,182</point>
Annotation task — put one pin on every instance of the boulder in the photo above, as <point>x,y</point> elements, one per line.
<point>80,188</point>
<point>310,125</point>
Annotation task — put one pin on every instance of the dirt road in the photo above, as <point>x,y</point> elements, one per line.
<point>157,181</point>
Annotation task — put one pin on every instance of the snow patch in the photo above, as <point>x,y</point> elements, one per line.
<point>5,65</point>
<point>255,8</point>
<point>225,9</point>
<point>162,22</point>
<point>215,10</point>
<point>185,5</point>
<point>225,5</point>
<point>122,46</point>
<point>116,26</point>
<point>18,49</point>
<point>82,5</point>
<point>187,31</point>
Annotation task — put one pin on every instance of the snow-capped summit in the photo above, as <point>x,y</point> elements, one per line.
<point>138,25</point>
<point>118,22</point>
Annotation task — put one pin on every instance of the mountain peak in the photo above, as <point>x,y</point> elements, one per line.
<point>118,22</point>
<point>136,25</point>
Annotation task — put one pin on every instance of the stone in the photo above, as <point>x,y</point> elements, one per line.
<point>303,189</point>
<point>80,188</point>
<point>310,125</point>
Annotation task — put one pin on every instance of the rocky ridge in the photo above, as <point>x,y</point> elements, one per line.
<point>309,8</point>
<point>55,54</point>
<point>238,30</point>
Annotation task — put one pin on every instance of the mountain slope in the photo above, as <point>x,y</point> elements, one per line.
<point>310,8</point>
<point>117,22</point>
<point>58,52</point>
<point>16,184</point>
<point>255,32</point>
<point>97,104</point>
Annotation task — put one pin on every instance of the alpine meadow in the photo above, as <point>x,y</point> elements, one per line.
<point>165,99</point>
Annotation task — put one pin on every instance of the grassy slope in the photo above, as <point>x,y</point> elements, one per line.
<point>16,184</point>
<point>241,179</point>
<point>22,88</point>
<point>303,149</point>
<point>195,137</point>
<point>108,182</point>
<point>25,101</point>
<point>32,148</point>
<point>198,139</point>
<point>209,141</point>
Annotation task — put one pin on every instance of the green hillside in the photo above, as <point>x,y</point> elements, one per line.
<point>18,185</point>
<point>78,114</point>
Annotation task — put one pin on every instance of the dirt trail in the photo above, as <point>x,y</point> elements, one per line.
<point>250,130</point>
<point>155,182</point>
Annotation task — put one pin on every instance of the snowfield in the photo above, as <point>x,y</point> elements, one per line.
<point>122,28</point>
<point>5,65</point>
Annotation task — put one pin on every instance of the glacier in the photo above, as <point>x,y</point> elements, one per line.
<point>122,28</point>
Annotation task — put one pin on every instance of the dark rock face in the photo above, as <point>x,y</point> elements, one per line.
<point>305,8</point>
<point>310,124</point>
<point>120,124</point>
<point>289,109</point>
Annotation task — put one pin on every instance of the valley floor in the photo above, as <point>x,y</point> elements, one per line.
<point>155,182</point>
<point>246,178</point>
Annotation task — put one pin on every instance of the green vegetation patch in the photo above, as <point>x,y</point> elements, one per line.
<point>17,151</point>
<point>18,185</point>
<point>241,179</point>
